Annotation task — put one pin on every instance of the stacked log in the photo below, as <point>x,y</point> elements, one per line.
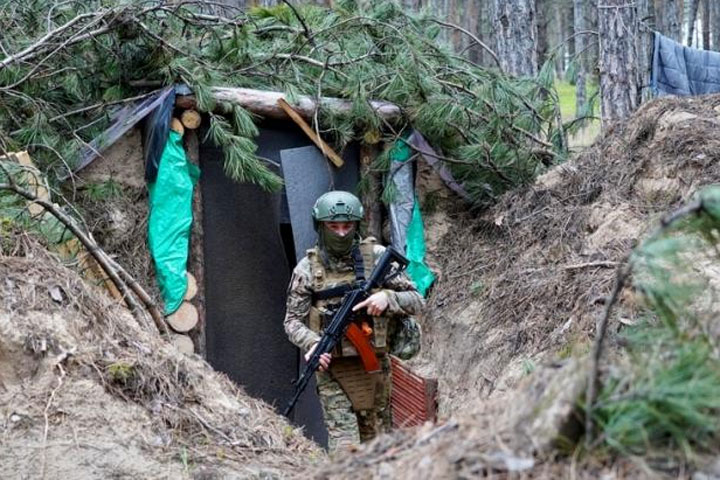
<point>185,318</point>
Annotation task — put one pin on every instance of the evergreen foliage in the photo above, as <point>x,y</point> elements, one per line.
<point>58,90</point>
<point>663,400</point>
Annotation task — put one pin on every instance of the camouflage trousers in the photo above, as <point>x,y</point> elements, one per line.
<point>345,426</point>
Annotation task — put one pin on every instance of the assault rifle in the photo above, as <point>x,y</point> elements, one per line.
<point>342,322</point>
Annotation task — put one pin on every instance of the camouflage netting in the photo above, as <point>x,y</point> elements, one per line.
<point>86,393</point>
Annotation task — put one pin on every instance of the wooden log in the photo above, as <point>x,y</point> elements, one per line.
<point>196,260</point>
<point>183,343</point>
<point>324,147</point>
<point>264,103</point>
<point>183,319</point>
<point>192,287</point>
<point>177,126</point>
<point>190,119</point>
<point>371,195</point>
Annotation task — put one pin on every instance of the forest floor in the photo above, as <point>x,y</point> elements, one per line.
<point>85,392</point>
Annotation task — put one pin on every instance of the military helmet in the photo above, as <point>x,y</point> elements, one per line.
<point>337,206</point>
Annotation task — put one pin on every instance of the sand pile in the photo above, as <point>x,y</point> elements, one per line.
<point>524,283</point>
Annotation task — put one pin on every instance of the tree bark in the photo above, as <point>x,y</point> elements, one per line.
<point>644,49</point>
<point>264,103</point>
<point>692,19</point>
<point>580,70</point>
<point>715,21</point>
<point>706,24</point>
<point>618,28</point>
<point>515,26</point>
<point>560,56</point>
<point>475,21</point>
<point>569,28</point>
<point>672,12</point>
<point>541,7</point>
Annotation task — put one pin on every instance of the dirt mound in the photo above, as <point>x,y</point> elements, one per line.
<point>86,393</point>
<point>525,282</point>
<point>520,290</point>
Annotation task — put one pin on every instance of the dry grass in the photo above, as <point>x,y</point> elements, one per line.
<point>60,336</point>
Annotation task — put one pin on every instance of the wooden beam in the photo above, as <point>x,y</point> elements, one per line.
<point>196,260</point>
<point>264,104</point>
<point>324,147</point>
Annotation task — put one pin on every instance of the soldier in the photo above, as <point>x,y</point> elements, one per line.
<point>355,404</point>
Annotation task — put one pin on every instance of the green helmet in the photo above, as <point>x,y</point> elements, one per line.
<point>337,206</point>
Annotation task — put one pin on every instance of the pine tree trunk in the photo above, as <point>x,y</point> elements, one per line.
<point>617,28</point>
<point>541,7</point>
<point>580,70</point>
<point>569,13</point>
<point>706,24</point>
<point>715,22</point>
<point>668,18</point>
<point>475,20</point>
<point>692,18</point>
<point>672,12</point>
<point>659,20</point>
<point>593,57</point>
<point>515,27</point>
<point>644,48</point>
<point>559,30</point>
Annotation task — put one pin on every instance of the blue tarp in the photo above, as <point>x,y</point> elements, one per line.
<point>680,70</point>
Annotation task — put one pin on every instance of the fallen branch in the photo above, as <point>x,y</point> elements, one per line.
<point>603,264</point>
<point>30,51</point>
<point>306,30</point>
<point>97,253</point>
<point>591,395</point>
<point>474,38</point>
<point>264,103</point>
<point>623,273</point>
<point>144,297</point>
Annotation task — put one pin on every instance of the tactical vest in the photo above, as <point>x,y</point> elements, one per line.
<point>320,312</point>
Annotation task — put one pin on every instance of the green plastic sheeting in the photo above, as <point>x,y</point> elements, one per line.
<point>171,219</point>
<point>417,270</point>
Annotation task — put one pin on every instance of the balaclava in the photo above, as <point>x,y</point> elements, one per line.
<point>336,245</point>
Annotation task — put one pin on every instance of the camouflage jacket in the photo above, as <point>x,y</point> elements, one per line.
<point>404,298</point>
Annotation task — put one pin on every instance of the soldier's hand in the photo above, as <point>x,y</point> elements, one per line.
<point>325,358</point>
<point>375,304</point>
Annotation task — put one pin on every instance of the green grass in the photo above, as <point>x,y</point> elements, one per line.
<point>566,94</point>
